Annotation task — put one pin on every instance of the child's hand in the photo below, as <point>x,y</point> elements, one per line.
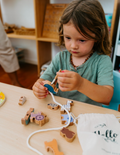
<point>39,90</point>
<point>69,80</point>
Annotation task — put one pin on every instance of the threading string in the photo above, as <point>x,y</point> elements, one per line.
<point>50,129</point>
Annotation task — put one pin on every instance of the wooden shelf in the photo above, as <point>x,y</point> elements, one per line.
<point>43,44</point>
<point>30,37</point>
<point>48,39</point>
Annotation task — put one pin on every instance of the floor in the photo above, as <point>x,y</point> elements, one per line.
<point>27,75</point>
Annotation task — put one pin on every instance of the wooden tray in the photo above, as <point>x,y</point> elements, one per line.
<point>51,21</point>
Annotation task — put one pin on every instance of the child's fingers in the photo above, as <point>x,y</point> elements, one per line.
<point>62,88</point>
<point>64,73</point>
<point>64,80</point>
<point>38,86</point>
<point>40,95</point>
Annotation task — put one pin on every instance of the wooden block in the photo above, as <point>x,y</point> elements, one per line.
<point>26,119</point>
<point>53,106</point>
<point>67,134</point>
<point>39,118</point>
<point>53,147</point>
<point>65,119</point>
<point>51,87</point>
<point>2,98</point>
<point>22,100</point>
<point>67,106</point>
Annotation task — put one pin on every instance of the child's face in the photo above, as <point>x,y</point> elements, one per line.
<point>75,43</point>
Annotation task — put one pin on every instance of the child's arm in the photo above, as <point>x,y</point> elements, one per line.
<point>39,90</point>
<point>69,81</point>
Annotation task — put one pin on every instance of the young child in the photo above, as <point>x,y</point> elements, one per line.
<point>87,72</point>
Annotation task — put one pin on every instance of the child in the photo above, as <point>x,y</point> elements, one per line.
<point>87,73</point>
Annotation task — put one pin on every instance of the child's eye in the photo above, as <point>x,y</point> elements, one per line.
<point>67,37</point>
<point>82,40</point>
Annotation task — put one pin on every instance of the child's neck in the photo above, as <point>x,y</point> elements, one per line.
<point>78,61</point>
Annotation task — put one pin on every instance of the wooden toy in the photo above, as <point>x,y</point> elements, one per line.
<point>51,22</point>
<point>69,135</point>
<point>9,28</point>
<point>26,119</point>
<point>51,85</point>
<point>22,100</point>
<point>25,31</point>
<point>39,118</point>
<point>52,106</point>
<point>2,98</point>
<point>65,119</point>
<point>67,106</point>
<point>53,147</point>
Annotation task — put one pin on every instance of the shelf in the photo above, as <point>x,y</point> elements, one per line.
<point>48,39</point>
<point>30,37</point>
<point>43,43</point>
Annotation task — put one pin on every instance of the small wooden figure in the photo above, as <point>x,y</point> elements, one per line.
<point>22,100</point>
<point>53,147</point>
<point>69,135</point>
<point>26,119</point>
<point>39,118</point>
<point>9,28</point>
<point>65,119</point>
<point>2,98</point>
<point>67,106</point>
<point>51,85</point>
<point>52,106</point>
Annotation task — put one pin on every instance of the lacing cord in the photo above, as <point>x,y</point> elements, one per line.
<point>50,129</point>
<point>59,128</point>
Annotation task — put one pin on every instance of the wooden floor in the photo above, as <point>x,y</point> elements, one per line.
<point>27,75</point>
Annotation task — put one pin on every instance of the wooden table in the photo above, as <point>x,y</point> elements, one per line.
<point>13,134</point>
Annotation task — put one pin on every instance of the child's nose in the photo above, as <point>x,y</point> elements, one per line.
<point>74,45</point>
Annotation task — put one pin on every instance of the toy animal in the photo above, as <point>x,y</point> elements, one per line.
<point>39,118</point>
<point>69,135</point>
<point>26,119</point>
<point>52,85</point>
<point>53,147</point>
<point>67,106</point>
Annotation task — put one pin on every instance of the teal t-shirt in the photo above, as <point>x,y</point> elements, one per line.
<point>97,69</point>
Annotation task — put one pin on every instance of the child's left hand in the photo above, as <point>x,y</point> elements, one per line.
<point>69,80</point>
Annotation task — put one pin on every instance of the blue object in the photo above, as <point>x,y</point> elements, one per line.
<point>108,19</point>
<point>65,118</point>
<point>50,88</point>
<point>115,102</point>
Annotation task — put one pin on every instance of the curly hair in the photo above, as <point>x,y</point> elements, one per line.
<point>87,15</point>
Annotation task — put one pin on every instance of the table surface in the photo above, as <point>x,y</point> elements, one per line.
<point>13,134</point>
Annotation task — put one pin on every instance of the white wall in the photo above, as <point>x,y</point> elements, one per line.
<point>21,13</point>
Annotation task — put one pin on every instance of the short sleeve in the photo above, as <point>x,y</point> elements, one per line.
<point>51,70</point>
<point>105,71</point>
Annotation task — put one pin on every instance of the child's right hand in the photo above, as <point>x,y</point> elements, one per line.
<point>39,90</point>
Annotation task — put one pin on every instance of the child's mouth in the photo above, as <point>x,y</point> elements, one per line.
<point>74,52</point>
